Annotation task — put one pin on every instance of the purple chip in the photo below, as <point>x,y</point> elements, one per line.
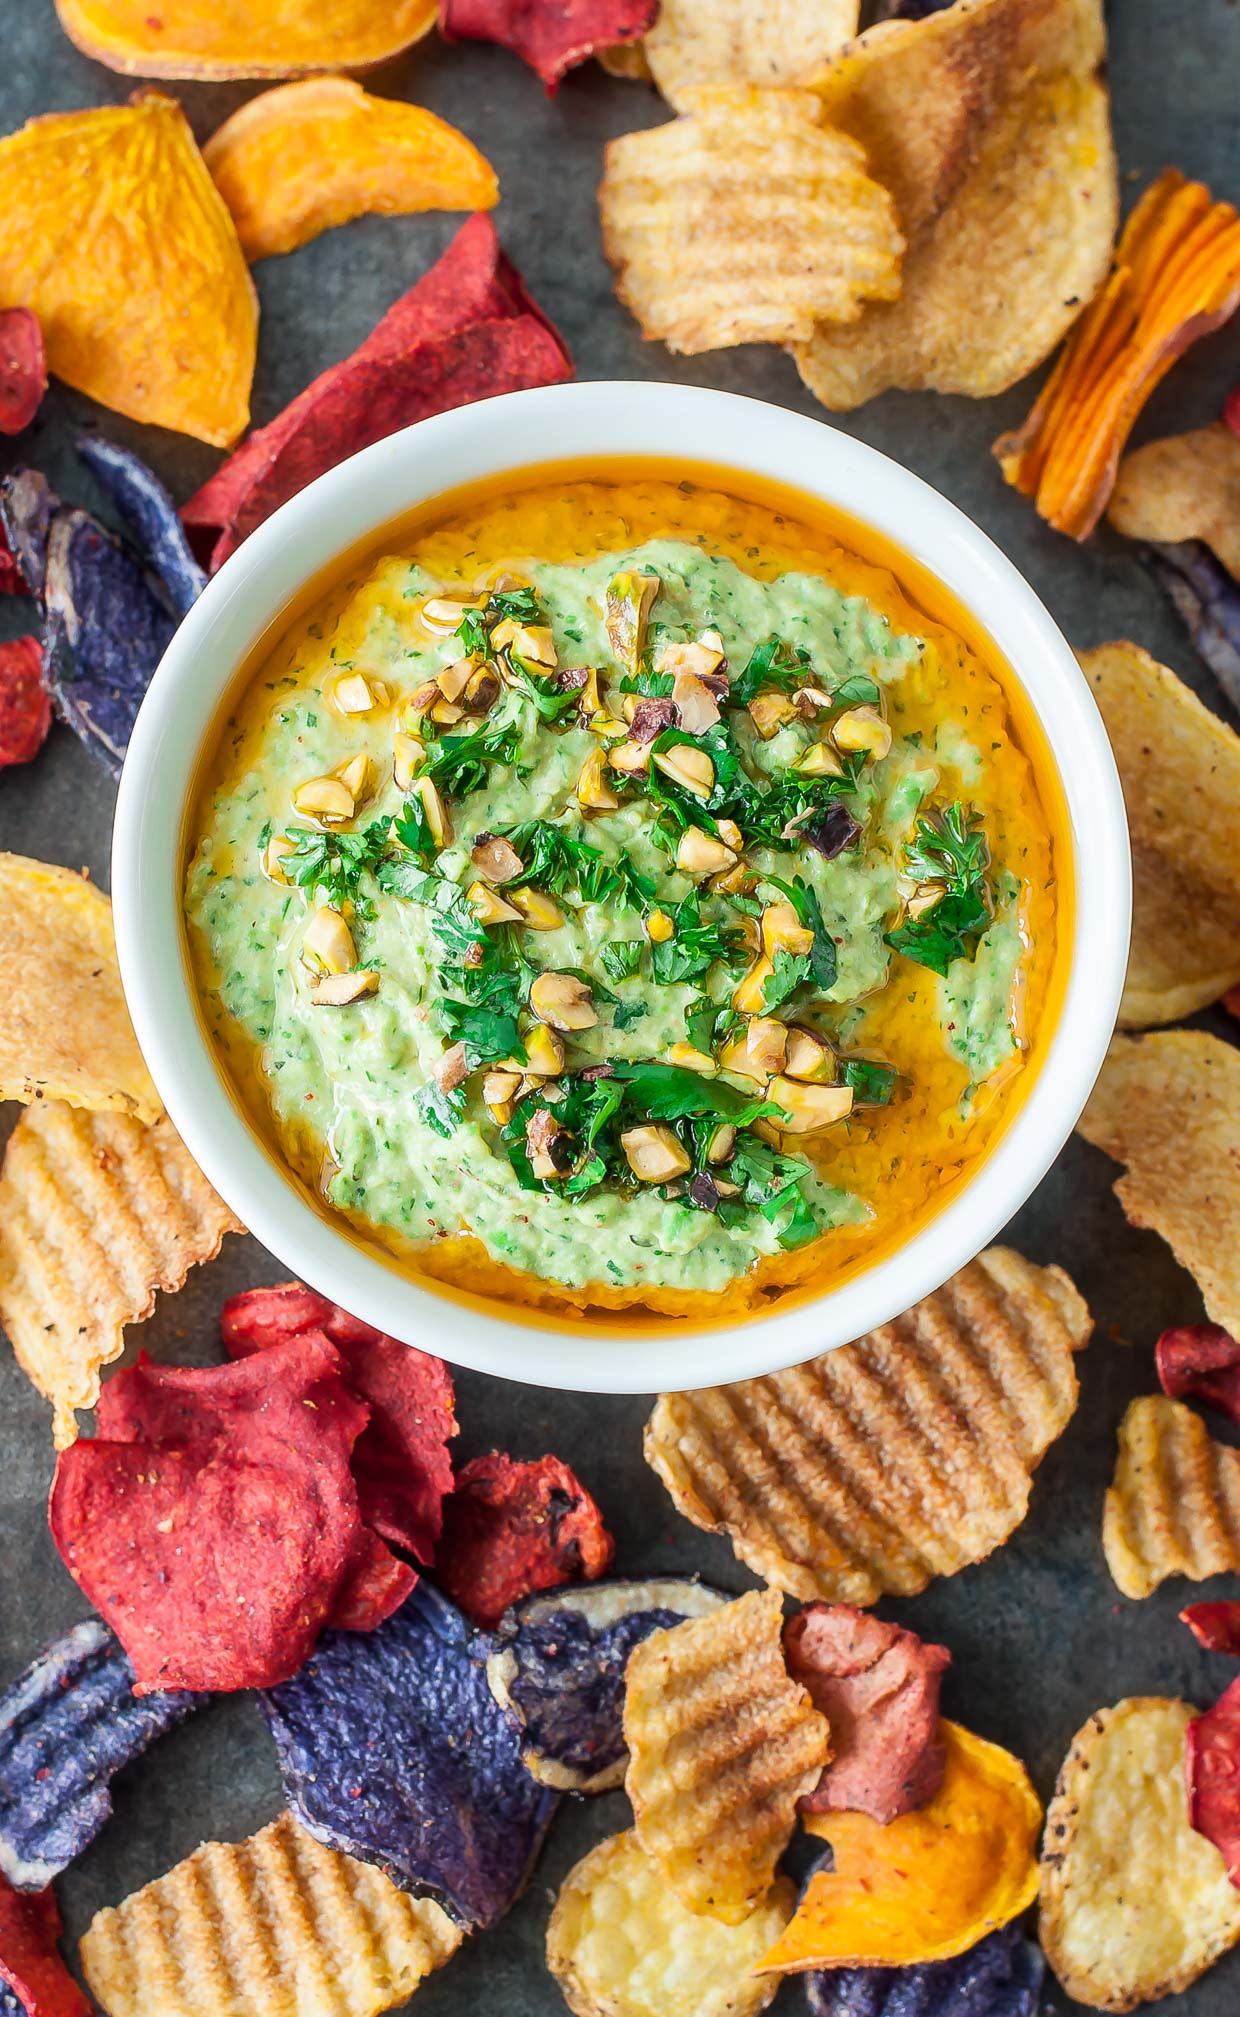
<point>67,1726</point>
<point>150,517</point>
<point>1208,600</point>
<point>27,503</point>
<point>1000,1977</point>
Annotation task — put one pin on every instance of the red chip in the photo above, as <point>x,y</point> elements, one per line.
<point>552,36</point>
<point>878,1687</point>
<point>1231,410</point>
<point>25,705</point>
<point>1201,1362</point>
<point>23,368</point>
<point>1215,1626</point>
<point>29,1962</point>
<point>511,1528</point>
<point>467,330</point>
<point>213,1521</point>
<point>12,581</point>
<point>400,1461</point>
<point>1212,1768</point>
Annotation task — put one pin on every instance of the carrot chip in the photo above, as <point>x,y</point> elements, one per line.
<point>234,38</point>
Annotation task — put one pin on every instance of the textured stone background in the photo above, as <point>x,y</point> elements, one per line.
<point>1039,1633</point>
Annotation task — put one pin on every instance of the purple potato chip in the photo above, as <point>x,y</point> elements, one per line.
<point>105,632</point>
<point>1208,600</point>
<point>27,506</point>
<point>9,2005</point>
<point>150,516</point>
<point>67,1725</point>
<point>558,1665</point>
<point>393,1749</point>
<point>1000,1977</point>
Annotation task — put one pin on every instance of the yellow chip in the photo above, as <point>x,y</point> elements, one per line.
<point>722,1744</point>
<point>904,1456</point>
<point>276,1926</point>
<point>1173,1508</point>
<point>990,124</point>
<point>1180,769</point>
<point>1168,1105</point>
<point>1186,487</point>
<point>65,1032</point>
<point>626,59</point>
<point>765,42</point>
<point>97,1213</point>
<point>620,1943</point>
<point>745,222</point>
<point>1135,1904</point>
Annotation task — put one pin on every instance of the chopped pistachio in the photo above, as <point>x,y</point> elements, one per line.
<point>766,1044</point>
<point>273,855</point>
<point>326,799</point>
<point>862,728</point>
<point>690,1059</point>
<point>339,990</point>
<point>434,810</point>
<point>563,1001</point>
<point>655,1154</point>
<point>819,760</point>
<point>327,944</point>
<point>810,1107</point>
<point>353,693</point>
<point>699,853</point>
<point>630,597</point>
<point>659,927</point>
<point>537,910</point>
<point>782,931</point>
<point>593,790</point>
<point>357,777</point>
<point>769,712</point>
<point>489,907</point>
<point>408,754</point>
<point>544,1052</point>
<point>688,766</point>
<point>749,995</point>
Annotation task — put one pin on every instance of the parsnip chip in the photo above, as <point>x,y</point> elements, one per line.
<point>1184,487</point>
<point>1134,1904</point>
<point>1173,1508</point>
<point>97,1213</point>
<point>1168,1105</point>
<point>65,1032</point>
<point>620,1943</point>
<point>722,1744</point>
<point>113,232</point>
<point>1180,769</point>
<point>768,42</point>
<point>297,160</point>
<point>275,1926</point>
<point>744,221</point>
<point>234,38</point>
<point>929,1884</point>
<point>990,124</point>
<point>904,1456</point>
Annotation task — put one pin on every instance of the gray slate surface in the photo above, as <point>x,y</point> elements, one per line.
<point>1040,1635</point>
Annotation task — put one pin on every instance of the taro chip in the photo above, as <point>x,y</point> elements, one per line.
<point>30,1964</point>
<point>25,704</point>
<point>393,1749</point>
<point>234,38</point>
<point>67,1726</point>
<point>558,1666</point>
<point>23,368</point>
<point>213,1520</point>
<point>696,42</point>
<point>512,1528</point>
<point>150,517</point>
<point>1212,1768</point>
<point>1215,1626</point>
<point>551,40</point>
<point>1201,1362</point>
<point>929,1885</point>
<point>1000,1977</point>
<point>878,1687</point>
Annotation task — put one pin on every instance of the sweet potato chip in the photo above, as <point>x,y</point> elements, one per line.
<point>928,1885</point>
<point>1168,1105</point>
<point>23,368</point>
<point>551,39</point>
<point>697,42</point>
<point>510,1529</point>
<point>1173,1508</point>
<point>990,125</point>
<point>1176,277</point>
<point>25,703</point>
<point>233,38</point>
<point>878,1687</point>
<point>1213,1781</point>
<point>1201,1362</point>
<point>1215,1626</point>
<point>744,221</point>
<point>1134,1904</point>
<point>113,232</point>
<point>1180,769</point>
<point>30,1963</point>
<point>1185,487</point>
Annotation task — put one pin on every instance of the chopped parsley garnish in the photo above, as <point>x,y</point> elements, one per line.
<point>694,947</point>
<point>473,634</point>
<point>460,763</point>
<point>521,604</point>
<point>555,860</point>
<point>773,663</point>
<point>622,958</point>
<point>949,848</point>
<point>488,1033</point>
<point>336,862</point>
<point>821,963</point>
<point>549,702</point>
<point>858,690</point>
<point>649,685</point>
<point>872,1084</point>
<point>770,1183</point>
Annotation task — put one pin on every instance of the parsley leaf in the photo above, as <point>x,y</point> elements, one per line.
<point>550,702</point>
<point>472,633</point>
<point>488,1034</point>
<point>858,690</point>
<point>790,969</point>
<point>443,1111</point>
<point>773,663</point>
<point>335,862</point>
<point>822,961</point>
<point>622,958</point>
<point>459,763</point>
<point>556,861</point>
<point>671,1092</point>
<point>520,604</point>
<point>950,931</point>
<point>948,848</point>
<point>694,947</point>
<point>771,1184</point>
<point>872,1083</point>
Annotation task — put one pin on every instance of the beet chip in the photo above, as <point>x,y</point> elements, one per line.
<point>29,1963</point>
<point>25,704</point>
<point>1215,1626</point>
<point>1201,1362</point>
<point>466,331</point>
<point>552,36</point>
<point>213,1521</point>
<point>878,1687</point>
<point>400,1462</point>
<point>23,368</point>
<point>510,1529</point>
<point>1212,1767</point>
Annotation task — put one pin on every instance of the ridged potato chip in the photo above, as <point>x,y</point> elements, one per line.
<point>929,1884</point>
<point>722,1744</point>
<point>234,38</point>
<point>620,1943</point>
<point>990,124</point>
<point>744,221</point>
<point>1186,486</point>
<point>113,232</point>
<point>275,1926</point>
<point>696,42</point>
<point>904,1456</point>
<point>1173,1508</point>
<point>1180,769</point>
<point>1134,1904</point>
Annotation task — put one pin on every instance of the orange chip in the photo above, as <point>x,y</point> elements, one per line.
<point>927,1885</point>
<point>299,159</point>
<point>236,38</point>
<point>1176,277</point>
<point>113,232</point>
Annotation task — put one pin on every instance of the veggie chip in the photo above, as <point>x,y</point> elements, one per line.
<point>30,1965</point>
<point>1201,1362</point>
<point>1215,1626</point>
<point>551,40</point>
<point>1000,1977</point>
<point>512,1528</point>
<point>25,704</point>
<point>1212,1752</point>
<point>878,1687</point>
<point>23,368</point>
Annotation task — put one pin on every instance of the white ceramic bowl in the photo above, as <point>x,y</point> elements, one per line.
<point>511,434</point>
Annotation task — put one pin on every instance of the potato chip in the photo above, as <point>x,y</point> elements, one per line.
<point>511,1528</point>
<point>1185,487</point>
<point>697,42</point>
<point>97,1213</point>
<point>990,125</point>
<point>1180,769</point>
<point>626,59</point>
<point>621,1944</point>
<point>744,221</point>
<point>113,232</point>
<point>1134,1904</point>
<point>1176,277</point>
<point>1168,1105</point>
<point>275,1926</point>
<point>25,704</point>
<point>23,368</point>
<point>233,38</point>
<point>722,1744</point>
<point>1173,1508</point>
<point>904,1456</point>
<point>928,1885</point>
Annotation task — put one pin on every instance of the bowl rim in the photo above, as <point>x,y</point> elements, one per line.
<point>512,433</point>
